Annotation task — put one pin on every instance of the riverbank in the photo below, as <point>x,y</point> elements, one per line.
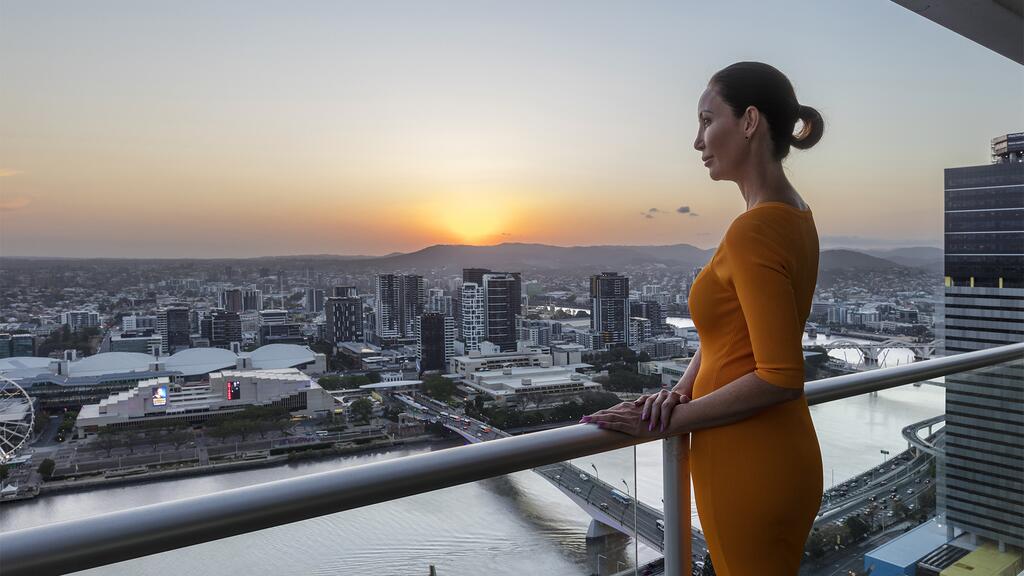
<point>98,482</point>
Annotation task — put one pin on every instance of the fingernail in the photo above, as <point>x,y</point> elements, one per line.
<point>662,426</point>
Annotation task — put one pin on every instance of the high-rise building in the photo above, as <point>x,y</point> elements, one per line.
<point>435,341</point>
<point>314,300</point>
<point>474,316</point>
<point>344,292</point>
<point>650,310</point>
<point>639,330</point>
<point>23,345</point>
<point>136,322</point>
<point>231,300</point>
<point>609,307</point>
<point>79,319</point>
<point>980,476</point>
<point>344,320</point>
<point>222,328</point>
<point>6,350</point>
<point>146,342</point>
<point>536,332</point>
<point>474,275</point>
<point>252,299</point>
<point>503,292</point>
<point>281,333</point>
<point>269,317</point>
<point>172,324</point>
<point>399,303</point>
<point>438,301</point>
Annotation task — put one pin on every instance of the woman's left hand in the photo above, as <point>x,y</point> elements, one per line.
<point>624,417</point>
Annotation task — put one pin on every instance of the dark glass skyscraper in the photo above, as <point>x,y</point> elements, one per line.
<point>981,478</point>
<point>435,341</point>
<point>399,302</point>
<point>609,307</point>
<point>344,320</point>
<point>504,304</point>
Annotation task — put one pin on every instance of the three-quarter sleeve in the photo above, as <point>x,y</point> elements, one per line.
<point>758,263</point>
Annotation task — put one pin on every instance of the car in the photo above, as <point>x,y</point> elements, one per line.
<point>660,524</point>
<point>918,481</point>
<point>890,513</point>
<point>584,477</point>
<point>576,489</point>
<point>910,490</point>
<point>558,476</point>
<point>603,505</point>
<point>927,481</point>
<point>871,498</point>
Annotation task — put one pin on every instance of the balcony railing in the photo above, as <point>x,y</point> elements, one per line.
<point>118,536</point>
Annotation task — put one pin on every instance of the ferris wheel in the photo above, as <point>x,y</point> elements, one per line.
<point>16,418</point>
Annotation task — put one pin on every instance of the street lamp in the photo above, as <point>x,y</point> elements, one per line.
<point>596,473</point>
<point>885,453</point>
<point>627,488</point>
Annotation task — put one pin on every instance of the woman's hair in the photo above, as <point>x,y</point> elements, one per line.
<point>762,86</point>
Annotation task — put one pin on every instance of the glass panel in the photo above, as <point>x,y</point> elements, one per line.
<point>519,523</point>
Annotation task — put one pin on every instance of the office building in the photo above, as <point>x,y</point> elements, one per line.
<point>399,302</point>
<point>435,341</point>
<point>474,316</point>
<point>314,301</point>
<point>980,485</point>
<point>172,324</point>
<point>344,320</point>
<point>609,308</point>
<point>222,328</point>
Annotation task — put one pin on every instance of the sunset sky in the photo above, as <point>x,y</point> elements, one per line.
<point>199,129</point>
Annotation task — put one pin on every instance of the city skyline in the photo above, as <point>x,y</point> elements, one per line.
<point>351,129</point>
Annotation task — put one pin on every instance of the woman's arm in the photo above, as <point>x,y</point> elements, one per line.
<point>738,400</point>
<point>685,385</point>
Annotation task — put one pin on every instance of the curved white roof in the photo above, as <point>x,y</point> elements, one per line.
<point>110,363</point>
<point>280,356</point>
<point>190,362</point>
<point>24,366</point>
<point>195,361</point>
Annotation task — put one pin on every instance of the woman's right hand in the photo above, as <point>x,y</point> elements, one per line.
<point>657,408</point>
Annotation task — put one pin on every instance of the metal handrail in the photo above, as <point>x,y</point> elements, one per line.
<point>117,536</point>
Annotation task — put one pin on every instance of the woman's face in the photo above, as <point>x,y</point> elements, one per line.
<point>720,137</point>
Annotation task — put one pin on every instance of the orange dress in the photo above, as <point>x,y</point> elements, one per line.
<point>757,482</point>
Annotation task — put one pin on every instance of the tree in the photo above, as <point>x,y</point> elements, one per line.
<point>362,409</point>
<point>439,387</point>
<point>178,438</point>
<point>46,468</point>
<point>857,527</point>
<point>107,440</point>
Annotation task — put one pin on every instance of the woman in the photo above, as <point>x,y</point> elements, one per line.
<point>754,459</point>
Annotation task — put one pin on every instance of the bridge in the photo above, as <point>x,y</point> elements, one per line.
<point>610,512</point>
<point>874,353</point>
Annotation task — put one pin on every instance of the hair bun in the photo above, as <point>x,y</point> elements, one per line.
<point>813,128</point>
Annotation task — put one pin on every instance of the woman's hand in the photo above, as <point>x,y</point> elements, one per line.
<point>624,417</point>
<point>657,408</point>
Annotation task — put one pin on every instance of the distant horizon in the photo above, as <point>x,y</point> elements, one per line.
<point>823,247</point>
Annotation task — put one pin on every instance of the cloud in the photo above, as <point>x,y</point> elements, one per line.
<point>654,211</point>
<point>647,215</point>
<point>683,210</point>
<point>8,172</point>
<point>13,204</point>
